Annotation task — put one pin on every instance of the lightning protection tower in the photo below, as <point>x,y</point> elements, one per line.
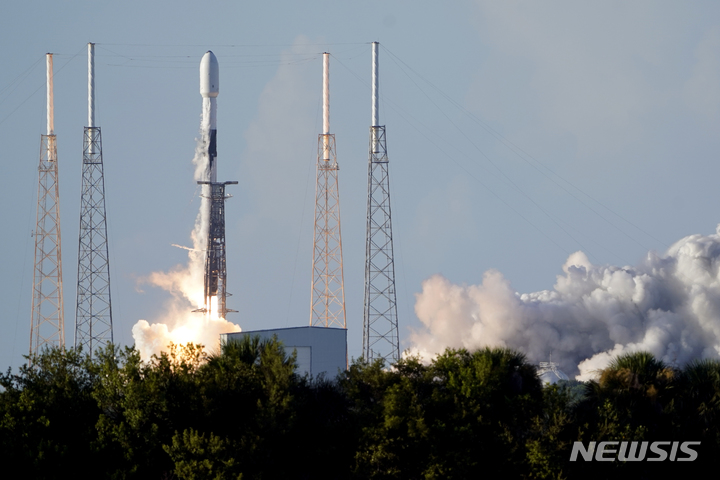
<point>380,324</point>
<point>327,304</point>
<point>48,325</point>
<point>93,314</point>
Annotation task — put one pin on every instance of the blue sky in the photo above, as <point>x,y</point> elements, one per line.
<point>518,133</point>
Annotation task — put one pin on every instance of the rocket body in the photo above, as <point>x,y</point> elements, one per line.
<point>212,207</point>
<point>209,89</point>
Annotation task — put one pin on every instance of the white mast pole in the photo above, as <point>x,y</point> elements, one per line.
<point>50,107</point>
<point>326,105</point>
<point>375,92</point>
<point>91,95</point>
<point>91,85</point>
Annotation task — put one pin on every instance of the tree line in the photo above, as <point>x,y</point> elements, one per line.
<point>243,412</point>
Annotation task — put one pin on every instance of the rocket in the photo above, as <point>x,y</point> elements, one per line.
<point>209,89</point>
<point>213,195</point>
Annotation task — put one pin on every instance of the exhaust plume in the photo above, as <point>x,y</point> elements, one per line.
<point>668,305</point>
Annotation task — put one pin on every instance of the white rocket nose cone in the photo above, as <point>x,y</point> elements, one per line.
<point>209,75</point>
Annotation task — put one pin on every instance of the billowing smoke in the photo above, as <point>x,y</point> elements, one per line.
<point>668,305</point>
<point>186,283</point>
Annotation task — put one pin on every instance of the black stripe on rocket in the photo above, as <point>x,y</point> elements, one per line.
<point>212,150</point>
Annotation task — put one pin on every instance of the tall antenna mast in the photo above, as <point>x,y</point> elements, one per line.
<point>48,324</point>
<point>93,314</point>
<point>380,324</point>
<point>327,302</point>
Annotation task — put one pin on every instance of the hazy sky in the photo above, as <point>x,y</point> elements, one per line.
<point>518,133</point>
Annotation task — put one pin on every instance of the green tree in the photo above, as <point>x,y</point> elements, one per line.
<point>197,457</point>
<point>633,400</point>
<point>698,408</point>
<point>388,417</point>
<point>143,404</point>
<point>47,413</point>
<point>640,389</point>
<point>553,431</point>
<point>247,398</point>
<point>698,388</point>
<point>466,414</point>
<point>483,405</point>
<point>321,431</point>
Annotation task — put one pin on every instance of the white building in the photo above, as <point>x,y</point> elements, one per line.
<point>320,350</point>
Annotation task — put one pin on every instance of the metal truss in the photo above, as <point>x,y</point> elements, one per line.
<point>546,367</point>
<point>93,315</point>
<point>380,325</point>
<point>327,307</point>
<point>48,325</point>
<point>215,260</point>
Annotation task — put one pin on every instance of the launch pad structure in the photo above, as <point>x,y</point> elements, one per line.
<point>93,320</point>
<point>47,327</point>
<point>380,323</point>
<point>215,259</point>
<point>93,314</point>
<point>327,296</point>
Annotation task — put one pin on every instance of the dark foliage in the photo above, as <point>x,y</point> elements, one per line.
<point>245,413</point>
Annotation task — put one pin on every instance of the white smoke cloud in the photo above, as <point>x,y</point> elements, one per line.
<point>668,305</point>
<point>179,324</point>
<point>286,109</point>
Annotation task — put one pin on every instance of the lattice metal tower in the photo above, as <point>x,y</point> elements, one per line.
<point>215,263</point>
<point>380,323</point>
<point>48,325</point>
<point>327,304</point>
<point>93,314</point>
